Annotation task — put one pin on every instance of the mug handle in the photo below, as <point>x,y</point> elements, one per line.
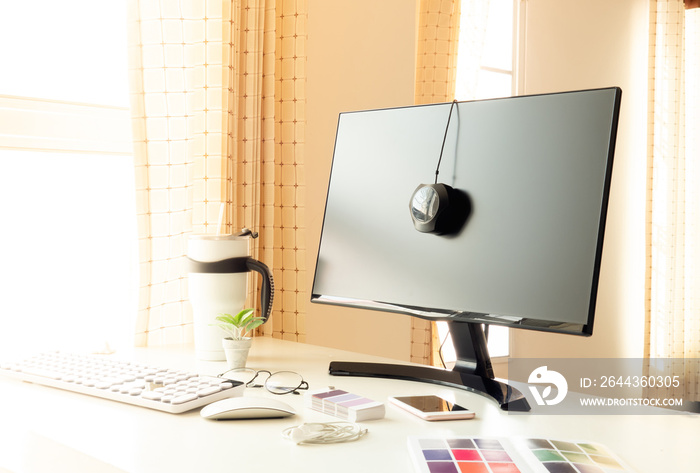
<point>242,264</point>
<point>267,291</point>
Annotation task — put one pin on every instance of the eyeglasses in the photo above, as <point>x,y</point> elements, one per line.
<point>279,382</point>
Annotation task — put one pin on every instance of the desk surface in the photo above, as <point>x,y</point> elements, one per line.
<point>45,429</point>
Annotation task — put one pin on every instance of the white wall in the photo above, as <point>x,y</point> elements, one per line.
<point>361,54</point>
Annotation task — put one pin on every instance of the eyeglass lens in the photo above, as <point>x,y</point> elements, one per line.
<point>281,382</point>
<point>284,382</point>
<point>243,375</point>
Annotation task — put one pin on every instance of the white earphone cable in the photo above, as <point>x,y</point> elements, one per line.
<point>324,433</point>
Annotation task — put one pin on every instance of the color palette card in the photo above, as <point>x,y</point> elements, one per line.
<point>345,405</point>
<point>491,455</point>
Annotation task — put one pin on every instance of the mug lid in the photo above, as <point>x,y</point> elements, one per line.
<point>204,236</point>
<point>245,233</point>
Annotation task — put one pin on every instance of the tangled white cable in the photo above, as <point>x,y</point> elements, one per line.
<point>324,433</point>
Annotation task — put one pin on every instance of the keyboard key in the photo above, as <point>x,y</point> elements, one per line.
<point>152,395</point>
<point>208,391</point>
<point>184,398</point>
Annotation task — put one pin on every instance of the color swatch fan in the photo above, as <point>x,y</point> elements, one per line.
<point>345,405</point>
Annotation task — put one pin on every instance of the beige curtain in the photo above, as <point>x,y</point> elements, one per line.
<point>436,59</point>
<point>218,102</point>
<point>436,69</point>
<point>673,210</point>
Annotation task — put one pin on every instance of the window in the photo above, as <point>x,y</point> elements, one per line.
<point>66,179</point>
<point>486,71</point>
<point>491,36</point>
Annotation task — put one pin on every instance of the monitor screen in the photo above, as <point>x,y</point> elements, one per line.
<point>536,173</point>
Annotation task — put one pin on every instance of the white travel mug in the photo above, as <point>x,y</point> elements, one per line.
<point>214,294</point>
<point>218,277</point>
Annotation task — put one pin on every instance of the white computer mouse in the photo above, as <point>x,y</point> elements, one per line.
<point>247,408</point>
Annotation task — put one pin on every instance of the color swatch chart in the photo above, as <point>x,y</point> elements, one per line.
<point>573,457</point>
<point>462,455</point>
<point>487,455</point>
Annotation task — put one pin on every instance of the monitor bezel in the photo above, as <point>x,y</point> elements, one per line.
<point>436,314</point>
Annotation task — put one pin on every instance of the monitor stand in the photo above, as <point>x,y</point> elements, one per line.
<point>472,372</point>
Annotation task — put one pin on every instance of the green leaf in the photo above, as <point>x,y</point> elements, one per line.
<point>245,314</point>
<point>238,326</point>
<point>253,324</point>
<point>226,319</point>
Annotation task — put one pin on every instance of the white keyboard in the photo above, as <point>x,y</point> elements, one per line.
<point>166,390</point>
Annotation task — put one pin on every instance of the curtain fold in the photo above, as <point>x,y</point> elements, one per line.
<point>673,207</point>
<point>217,99</point>
<point>436,69</point>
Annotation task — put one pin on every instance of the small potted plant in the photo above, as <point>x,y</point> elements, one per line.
<point>237,344</point>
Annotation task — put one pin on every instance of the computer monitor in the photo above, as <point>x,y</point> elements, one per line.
<point>532,174</point>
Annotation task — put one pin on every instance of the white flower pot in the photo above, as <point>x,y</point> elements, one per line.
<point>237,351</point>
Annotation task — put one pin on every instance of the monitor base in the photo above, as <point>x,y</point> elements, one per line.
<point>472,372</point>
<point>508,398</point>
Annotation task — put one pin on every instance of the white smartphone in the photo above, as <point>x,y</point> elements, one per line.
<point>432,407</point>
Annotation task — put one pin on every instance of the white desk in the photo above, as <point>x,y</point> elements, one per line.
<point>44,429</point>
